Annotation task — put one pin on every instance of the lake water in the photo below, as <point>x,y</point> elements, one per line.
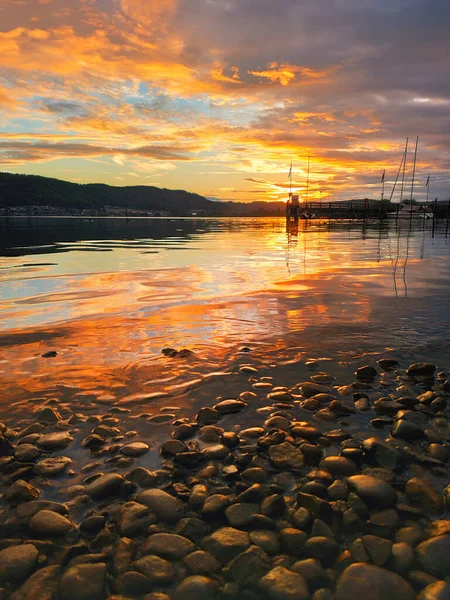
<point>109,294</point>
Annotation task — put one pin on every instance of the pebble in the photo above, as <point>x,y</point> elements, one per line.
<point>434,555</point>
<point>156,569</point>
<point>230,406</point>
<point>47,523</point>
<point>282,584</point>
<point>168,545</point>
<point>196,587</point>
<point>135,449</point>
<point>440,590</point>
<point>226,543</point>
<point>166,507</point>
<point>55,441</point>
<point>372,490</point>
<point>41,585</point>
<point>50,467</point>
<point>105,486</point>
<point>17,563</point>
<point>372,583</point>
<point>83,582</point>
<point>20,491</point>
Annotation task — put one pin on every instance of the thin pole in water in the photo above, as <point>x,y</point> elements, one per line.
<point>413,175</point>
<point>404,168</point>
<point>434,215</point>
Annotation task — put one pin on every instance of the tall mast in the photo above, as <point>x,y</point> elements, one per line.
<point>404,167</point>
<point>290,181</point>
<point>382,181</point>
<point>414,172</point>
<point>307,179</point>
<point>428,185</point>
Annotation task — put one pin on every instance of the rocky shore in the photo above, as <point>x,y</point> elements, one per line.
<point>337,490</point>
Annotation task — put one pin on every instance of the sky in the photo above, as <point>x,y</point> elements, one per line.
<point>218,97</point>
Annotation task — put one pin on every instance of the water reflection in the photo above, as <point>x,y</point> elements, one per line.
<point>109,294</point>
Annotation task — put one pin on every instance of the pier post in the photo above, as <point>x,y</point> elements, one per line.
<point>434,216</point>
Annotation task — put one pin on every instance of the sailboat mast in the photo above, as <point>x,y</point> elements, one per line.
<point>307,179</point>
<point>404,167</point>
<point>428,185</point>
<point>290,181</point>
<point>414,172</point>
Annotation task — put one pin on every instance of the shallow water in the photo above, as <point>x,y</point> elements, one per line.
<point>109,294</point>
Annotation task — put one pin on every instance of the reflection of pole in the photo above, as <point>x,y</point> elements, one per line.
<point>404,167</point>
<point>307,182</point>
<point>413,175</point>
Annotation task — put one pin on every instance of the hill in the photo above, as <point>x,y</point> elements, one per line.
<point>32,194</point>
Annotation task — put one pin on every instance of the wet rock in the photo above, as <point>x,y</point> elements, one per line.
<point>239,514</point>
<point>55,441</point>
<point>407,430</point>
<point>201,563</point>
<point>92,525</point>
<point>254,475</point>
<point>18,562</point>
<point>216,452</point>
<point>48,415</point>
<point>132,584</point>
<point>382,454</point>
<point>93,442</point>
<point>387,363</point>
<point>166,507</point>
<point>372,583</point>
<point>293,540</point>
<point>338,466</point>
<point>124,554</point>
<point>83,582</point>
<point>402,558</point>
<point>142,477</point>
<point>315,505</point>
<point>50,467</point>
<point>207,416</point>
<point>28,509</point>
<point>248,567</point>
<point>434,555</point>
<point>105,486</point>
<point>41,585</point>
<point>377,548</point>
<point>267,540</point>
<point>26,453</point>
<point>277,423</point>
<point>184,431</point>
<point>440,590</point>
<point>168,545</point>
<point>230,406</point>
<point>226,543</point>
<point>20,491</point>
<point>210,434</point>
<point>282,584</point>
<point>421,370</point>
<point>372,490</point>
<point>134,519</point>
<point>155,568</point>
<point>324,549</point>
<point>49,354</point>
<point>306,432</point>
<point>273,506</point>
<point>46,523</point>
<point>172,447</point>
<point>215,505</point>
<point>230,439</point>
<point>309,389</point>
<point>313,572</point>
<point>366,373</point>
<point>286,455</point>
<point>423,494</point>
<point>196,587</point>
<point>135,449</point>
<point>192,528</point>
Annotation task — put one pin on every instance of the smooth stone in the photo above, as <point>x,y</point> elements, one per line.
<point>201,563</point>
<point>132,584</point>
<point>440,590</point>
<point>267,540</point>
<point>196,587</point>
<point>172,447</point>
<point>124,554</point>
<point>282,584</point>
<point>92,525</point>
<point>83,582</point>
<point>226,543</point>
<point>135,449</point>
<point>207,416</point>
<point>214,506</point>
<point>49,467</point>
<point>215,452</point>
<point>18,562</point>
<point>312,571</point>
<point>407,430</point>
<point>230,406</point>
<point>248,567</point>
<point>254,475</point>
<point>423,494</point>
<point>286,455</point>
<point>375,492</point>
<point>105,486</point>
<point>434,555</point>
<point>239,514</point>
<point>324,549</point>
<point>48,415</point>
<point>338,466</point>
<point>366,373</point>
<point>372,583</point>
<point>50,524</point>
<point>277,423</point>
<point>155,568</point>
<point>293,540</point>
<point>402,558</point>
<point>421,370</point>
<point>382,453</point>
<point>134,518</point>
<point>26,453</point>
<point>192,528</point>
<point>20,491</point>
<point>41,585</point>
<point>55,441</point>
<point>142,477</point>
<point>166,507</point>
<point>378,549</point>
<point>168,545</point>
<point>28,509</point>
<point>210,434</point>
